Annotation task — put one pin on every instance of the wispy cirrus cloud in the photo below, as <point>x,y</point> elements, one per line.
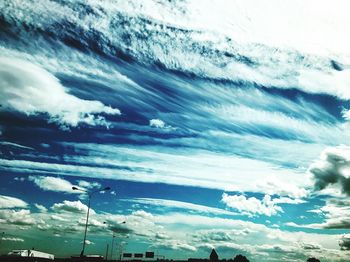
<point>233,170</point>
<point>56,184</point>
<point>173,204</point>
<point>335,214</point>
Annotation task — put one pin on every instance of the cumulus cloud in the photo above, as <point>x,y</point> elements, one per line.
<point>32,90</point>
<point>143,214</point>
<point>41,208</point>
<point>56,184</point>
<point>157,123</point>
<point>71,206</point>
<point>139,222</point>
<point>219,235</point>
<point>20,218</point>
<point>332,170</point>
<point>253,206</point>
<point>11,202</point>
<point>310,246</point>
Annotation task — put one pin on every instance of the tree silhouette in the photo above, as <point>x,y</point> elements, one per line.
<point>312,259</point>
<point>240,258</point>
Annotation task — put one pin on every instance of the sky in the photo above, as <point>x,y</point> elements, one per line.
<point>216,124</point>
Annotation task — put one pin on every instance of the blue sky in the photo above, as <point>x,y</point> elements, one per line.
<point>216,126</point>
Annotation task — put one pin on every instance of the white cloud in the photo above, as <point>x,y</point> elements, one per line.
<point>175,245</point>
<point>181,205</point>
<point>157,123</point>
<point>11,202</point>
<point>336,215</point>
<point>196,169</point>
<point>219,235</point>
<point>143,214</point>
<point>274,185</point>
<point>30,89</point>
<point>88,185</point>
<point>249,22</point>
<point>49,183</point>
<point>5,143</point>
<point>13,239</point>
<point>57,184</point>
<point>21,217</point>
<point>71,206</point>
<point>186,233</point>
<point>252,205</point>
<point>88,242</point>
<point>41,208</point>
<point>243,232</point>
<point>59,218</point>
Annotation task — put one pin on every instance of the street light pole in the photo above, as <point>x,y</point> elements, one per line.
<point>2,235</point>
<point>107,252</point>
<point>113,237</point>
<point>88,212</point>
<point>86,226</point>
<point>112,246</point>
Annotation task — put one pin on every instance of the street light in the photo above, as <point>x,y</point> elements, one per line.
<point>89,193</point>
<point>113,237</point>
<point>121,248</point>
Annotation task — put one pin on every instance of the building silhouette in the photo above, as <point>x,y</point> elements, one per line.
<point>213,256</point>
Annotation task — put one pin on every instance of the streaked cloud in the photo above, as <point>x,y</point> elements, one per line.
<point>12,239</point>
<point>11,202</point>
<point>232,169</point>
<point>172,204</point>
<point>335,214</point>
<point>56,184</point>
